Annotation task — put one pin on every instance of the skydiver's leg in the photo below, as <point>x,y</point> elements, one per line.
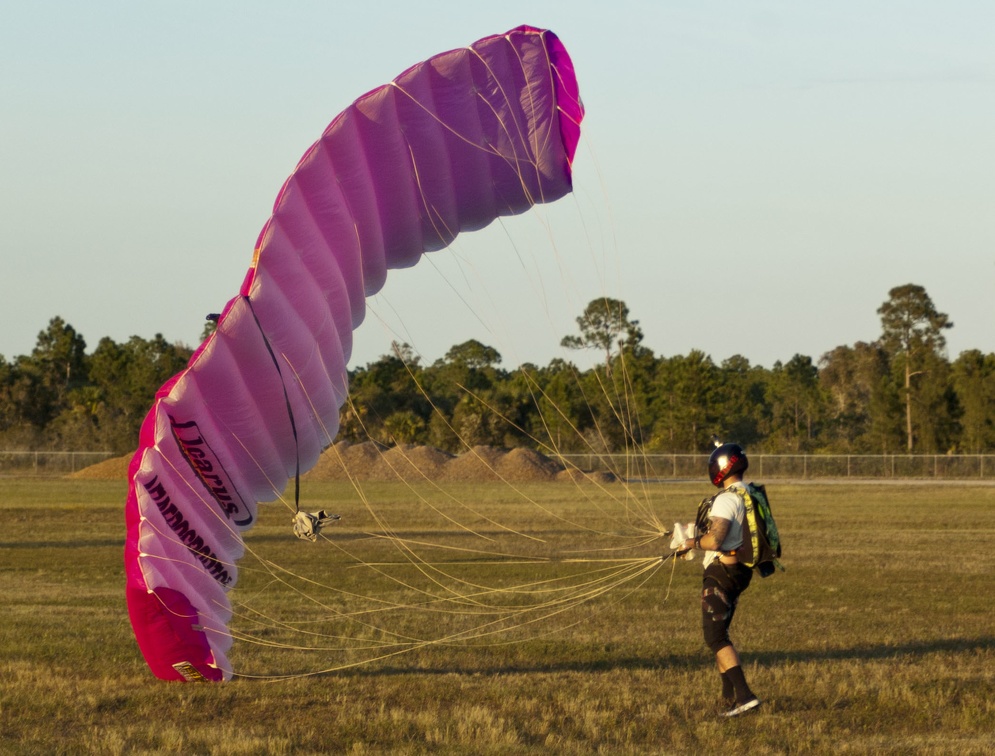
<point>728,691</point>
<point>726,658</point>
<point>720,595</point>
<point>733,676</point>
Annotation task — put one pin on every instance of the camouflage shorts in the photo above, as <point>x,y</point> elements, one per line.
<point>721,587</point>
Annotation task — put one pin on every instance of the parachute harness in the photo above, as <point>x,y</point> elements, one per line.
<point>307,525</point>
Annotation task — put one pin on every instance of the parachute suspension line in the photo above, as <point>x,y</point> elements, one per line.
<point>672,557</point>
<point>648,522</point>
<point>567,597</point>
<point>631,429</point>
<point>503,619</point>
<point>512,618</point>
<point>436,487</point>
<point>443,232</point>
<point>286,398</point>
<point>483,401</point>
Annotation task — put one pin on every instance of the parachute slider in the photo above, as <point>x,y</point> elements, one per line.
<point>307,525</point>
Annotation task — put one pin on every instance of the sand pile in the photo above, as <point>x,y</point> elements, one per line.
<point>110,469</point>
<point>526,466</point>
<point>374,462</point>
<point>476,465</point>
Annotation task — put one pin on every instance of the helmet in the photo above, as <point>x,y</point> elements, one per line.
<point>726,460</point>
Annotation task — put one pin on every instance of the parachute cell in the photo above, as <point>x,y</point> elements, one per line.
<point>450,145</point>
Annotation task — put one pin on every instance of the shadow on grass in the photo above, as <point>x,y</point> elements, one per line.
<point>103,543</point>
<point>687,662</point>
<point>478,670</point>
<point>872,652</point>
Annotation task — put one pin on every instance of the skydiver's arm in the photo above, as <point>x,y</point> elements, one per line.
<point>712,540</point>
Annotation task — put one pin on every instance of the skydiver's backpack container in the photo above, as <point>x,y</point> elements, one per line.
<point>761,547</point>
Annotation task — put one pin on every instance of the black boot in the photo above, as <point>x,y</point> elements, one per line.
<point>745,700</point>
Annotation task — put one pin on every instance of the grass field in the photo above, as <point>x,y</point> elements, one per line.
<point>878,638</point>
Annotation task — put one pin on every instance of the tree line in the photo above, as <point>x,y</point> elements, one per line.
<point>898,394</point>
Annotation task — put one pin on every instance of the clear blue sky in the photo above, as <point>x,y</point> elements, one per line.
<point>754,177</point>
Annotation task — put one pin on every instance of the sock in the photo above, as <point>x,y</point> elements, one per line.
<point>728,691</point>
<point>738,679</point>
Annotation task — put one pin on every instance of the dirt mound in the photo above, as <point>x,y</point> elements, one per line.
<point>414,463</point>
<point>373,462</point>
<point>527,466</point>
<point>345,461</point>
<point>477,465</point>
<point>110,469</point>
<point>370,461</point>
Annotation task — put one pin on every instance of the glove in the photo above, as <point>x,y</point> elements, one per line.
<point>682,533</point>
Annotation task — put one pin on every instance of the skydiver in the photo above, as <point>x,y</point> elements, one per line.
<point>725,578</point>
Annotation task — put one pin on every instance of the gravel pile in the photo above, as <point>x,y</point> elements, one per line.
<point>374,462</point>
<point>110,469</point>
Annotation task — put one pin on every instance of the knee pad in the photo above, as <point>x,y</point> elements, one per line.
<point>716,613</point>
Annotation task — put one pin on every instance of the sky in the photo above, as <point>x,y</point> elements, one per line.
<point>753,177</point>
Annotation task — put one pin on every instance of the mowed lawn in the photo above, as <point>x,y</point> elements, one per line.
<point>485,619</point>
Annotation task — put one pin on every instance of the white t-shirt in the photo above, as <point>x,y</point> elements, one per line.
<point>729,506</point>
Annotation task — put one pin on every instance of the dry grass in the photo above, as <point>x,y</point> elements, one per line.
<point>878,639</point>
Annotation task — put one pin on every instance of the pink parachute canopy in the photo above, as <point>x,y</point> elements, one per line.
<point>451,144</point>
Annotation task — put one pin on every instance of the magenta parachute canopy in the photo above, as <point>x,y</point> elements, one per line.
<point>448,146</point>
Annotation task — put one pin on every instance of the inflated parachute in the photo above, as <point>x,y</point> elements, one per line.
<point>451,144</point>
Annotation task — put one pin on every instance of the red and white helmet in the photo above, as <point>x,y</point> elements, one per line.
<point>726,460</point>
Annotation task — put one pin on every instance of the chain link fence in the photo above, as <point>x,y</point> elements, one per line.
<point>647,466</point>
<point>795,466</point>
<point>15,463</point>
